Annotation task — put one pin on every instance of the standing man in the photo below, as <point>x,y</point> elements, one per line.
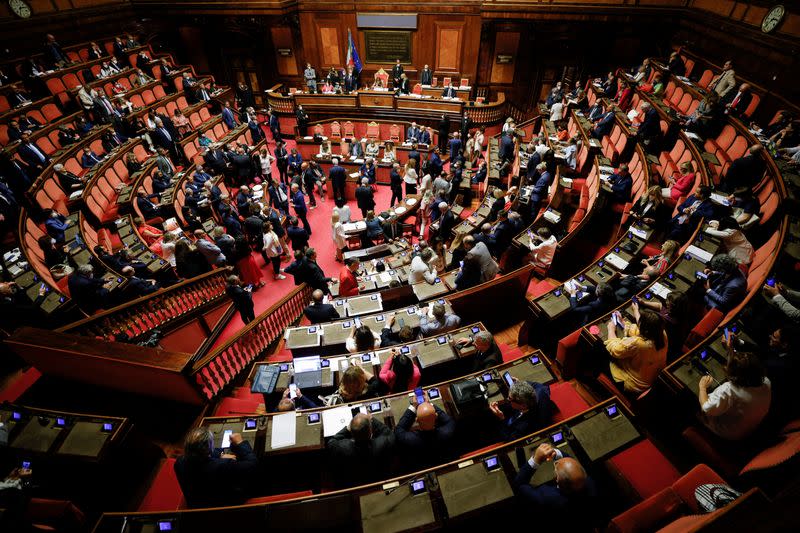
<point>302,120</point>
<point>466,124</point>
<point>427,76</point>
<point>338,178</point>
<point>299,204</point>
<point>310,76</point>
<point>444,131</point>
<point>227,116</point>
<point>275,126</point>
<point>365,198</point>
<point>348,282</point>
<point>397,71</point>
<point>396,184</point>
<point>405,84</point>
<point>350,81</point>
<point>242,298</point>
<point>282,161</point>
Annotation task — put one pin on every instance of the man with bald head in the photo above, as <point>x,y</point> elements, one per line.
<point>299,402</point>
<point>361,451</point>
<point>569,502</point>
<point>319,312</point>
<point>430,443</point>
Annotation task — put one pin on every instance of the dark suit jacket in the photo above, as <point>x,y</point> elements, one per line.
<point>29,156</point>
<point>242,299</point>
<point>319,313</point>
<point>591,308</point>
<point>298,237</point>
<point>365,198</point>
<point>426,448</point>
<point>539,189</point>
<point>88,293</point>
<point>491,357</point>
<point>743,172</point>
<point>650,127</point>
<point>449,92</point>
<point>360,464</point>
<point>726,291</point>
<point>553,508</point>
<point>338,176</point>
<point>518,425</point>
<point>426,77</point>
<point>446,224</point>
<point>621,187</point>
<point>212,481</point>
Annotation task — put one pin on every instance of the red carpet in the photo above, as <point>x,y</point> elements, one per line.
<point>319,219</point>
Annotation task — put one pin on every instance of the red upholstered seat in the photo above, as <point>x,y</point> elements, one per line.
<point>280,497</point>
<point>509,353</point>
<point>644,481</point>
<point>568,354</point>
<point>568,401</point>
<point>703,329</point>
<point>165,492</point>
<point>539,288</point>
<point>787,447</point>
<point>667,505</point>
<point>236,406</point>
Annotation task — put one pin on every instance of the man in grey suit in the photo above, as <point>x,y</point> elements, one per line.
<point>481,253</point>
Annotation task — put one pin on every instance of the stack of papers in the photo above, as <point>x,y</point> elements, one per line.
<point>699,254</point>
<point>616,261</point>
<point>660,290</point>
<point>552,217</point>
<point>638,232</point>
<point>284,430</point>
<point>720,198</point>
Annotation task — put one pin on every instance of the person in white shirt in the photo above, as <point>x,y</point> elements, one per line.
<point>733,239</point>
<point>373,149</point>
<point>420,268</point>
<point>543,247</point>
<point>557,111</point>
<point>338,235</point>
<point>343,209</point>
<point>389,153</point>
<point>410,177</point>
<point>784,298</point>
<point>736,408</point>
<point>570,153</point>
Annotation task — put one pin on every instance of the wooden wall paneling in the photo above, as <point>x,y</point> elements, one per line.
<point>506,43</point>
<point>282,38</point>
<point>329,46</point>
<point>449,37</point>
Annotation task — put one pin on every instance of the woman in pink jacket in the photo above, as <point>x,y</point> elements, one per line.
<point>399,373</point>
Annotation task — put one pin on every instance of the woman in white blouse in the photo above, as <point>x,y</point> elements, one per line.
<point>733,239</point>
<point>424,211</point>
<point>389,153</point>
<point>168,248</point>
<point>272,251</point>
<point>736,408</point>
<point>338,235</point>
<point>373,149</point>
<point>410,177</point>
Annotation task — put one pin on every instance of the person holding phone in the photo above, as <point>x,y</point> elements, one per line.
<point>296,403</point>
<point>784,298</point>
<point>736,408</point>
<point>242,297</point>
<point>640,353</point>
<point>569,502</point>
<point>361,451</point>
<point>399,373</point>
<point>210,477</point>
<point>527,410</point>
<point>726,285</point>
<point>430,443</point>
<point>487,352</point>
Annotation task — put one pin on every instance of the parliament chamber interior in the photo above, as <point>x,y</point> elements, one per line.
<point>399,266</point>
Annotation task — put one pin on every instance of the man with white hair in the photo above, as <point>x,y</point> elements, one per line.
<point>68,181</point>
<point>447,221</point>
<point>365,198</point>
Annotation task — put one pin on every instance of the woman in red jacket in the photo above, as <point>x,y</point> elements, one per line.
<point>625,97</point>
<point>682,185</point>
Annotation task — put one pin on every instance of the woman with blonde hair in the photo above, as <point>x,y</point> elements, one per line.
<point>424,211</point>
<point>653,267</point>
<point>338,235</point>
<point>358,384</point>
<point>389,152</point>
<point>651,210</point>
<point>681,185</point>
<point>410,177</point>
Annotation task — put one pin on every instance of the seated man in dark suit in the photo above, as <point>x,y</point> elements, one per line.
<point>89,158</point>
<point>362,450</point>
<point>746,171</point>
<point>149,209</point>
<point>726,285</point>
<point>32,155</point>
<point>621,185</point>
<point>137,286</point>
<point>431,442</point>
<point>487,355</point>
<point>604,125</point>
<point>695,208</point>
<point>528,409</point>
<point>88,292</point>
<point>597,301</point>
<point>215,477</point>
<point>319,312</point>
<point>569,503</point>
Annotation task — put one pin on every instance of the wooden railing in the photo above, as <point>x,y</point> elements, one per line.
<point>214,371</point>
<point>490,113</point>
<point>280,103</point>
<point>141,316</point>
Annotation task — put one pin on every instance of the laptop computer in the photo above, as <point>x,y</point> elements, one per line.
<point>307,372</point>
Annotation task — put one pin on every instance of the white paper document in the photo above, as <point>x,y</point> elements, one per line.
<point>333,420</point>
<point>284,430</point>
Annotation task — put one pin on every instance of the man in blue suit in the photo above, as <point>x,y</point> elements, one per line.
<point>506,150</point>
<point>695,208</point>
<point>621,184</point>
<point>89,159</point>
<point>299,204</point>
<point>540,188</point>
<point>227,116</point>
<point>56,224</point>
<point>603,126</point>
<point>338,177</point>
<point>211,477</point>
<point>32,155</point>
<point>726,285</point>
<point>569,504</point>
<point>650,129</point>
<point>529,409</point>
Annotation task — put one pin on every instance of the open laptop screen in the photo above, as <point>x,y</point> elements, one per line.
<point>306,364</point>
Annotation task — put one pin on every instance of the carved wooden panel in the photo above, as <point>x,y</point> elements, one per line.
<point>448,46</point>
<point>506,44</point>
<point>282,39</point>
<point>329,46</point>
